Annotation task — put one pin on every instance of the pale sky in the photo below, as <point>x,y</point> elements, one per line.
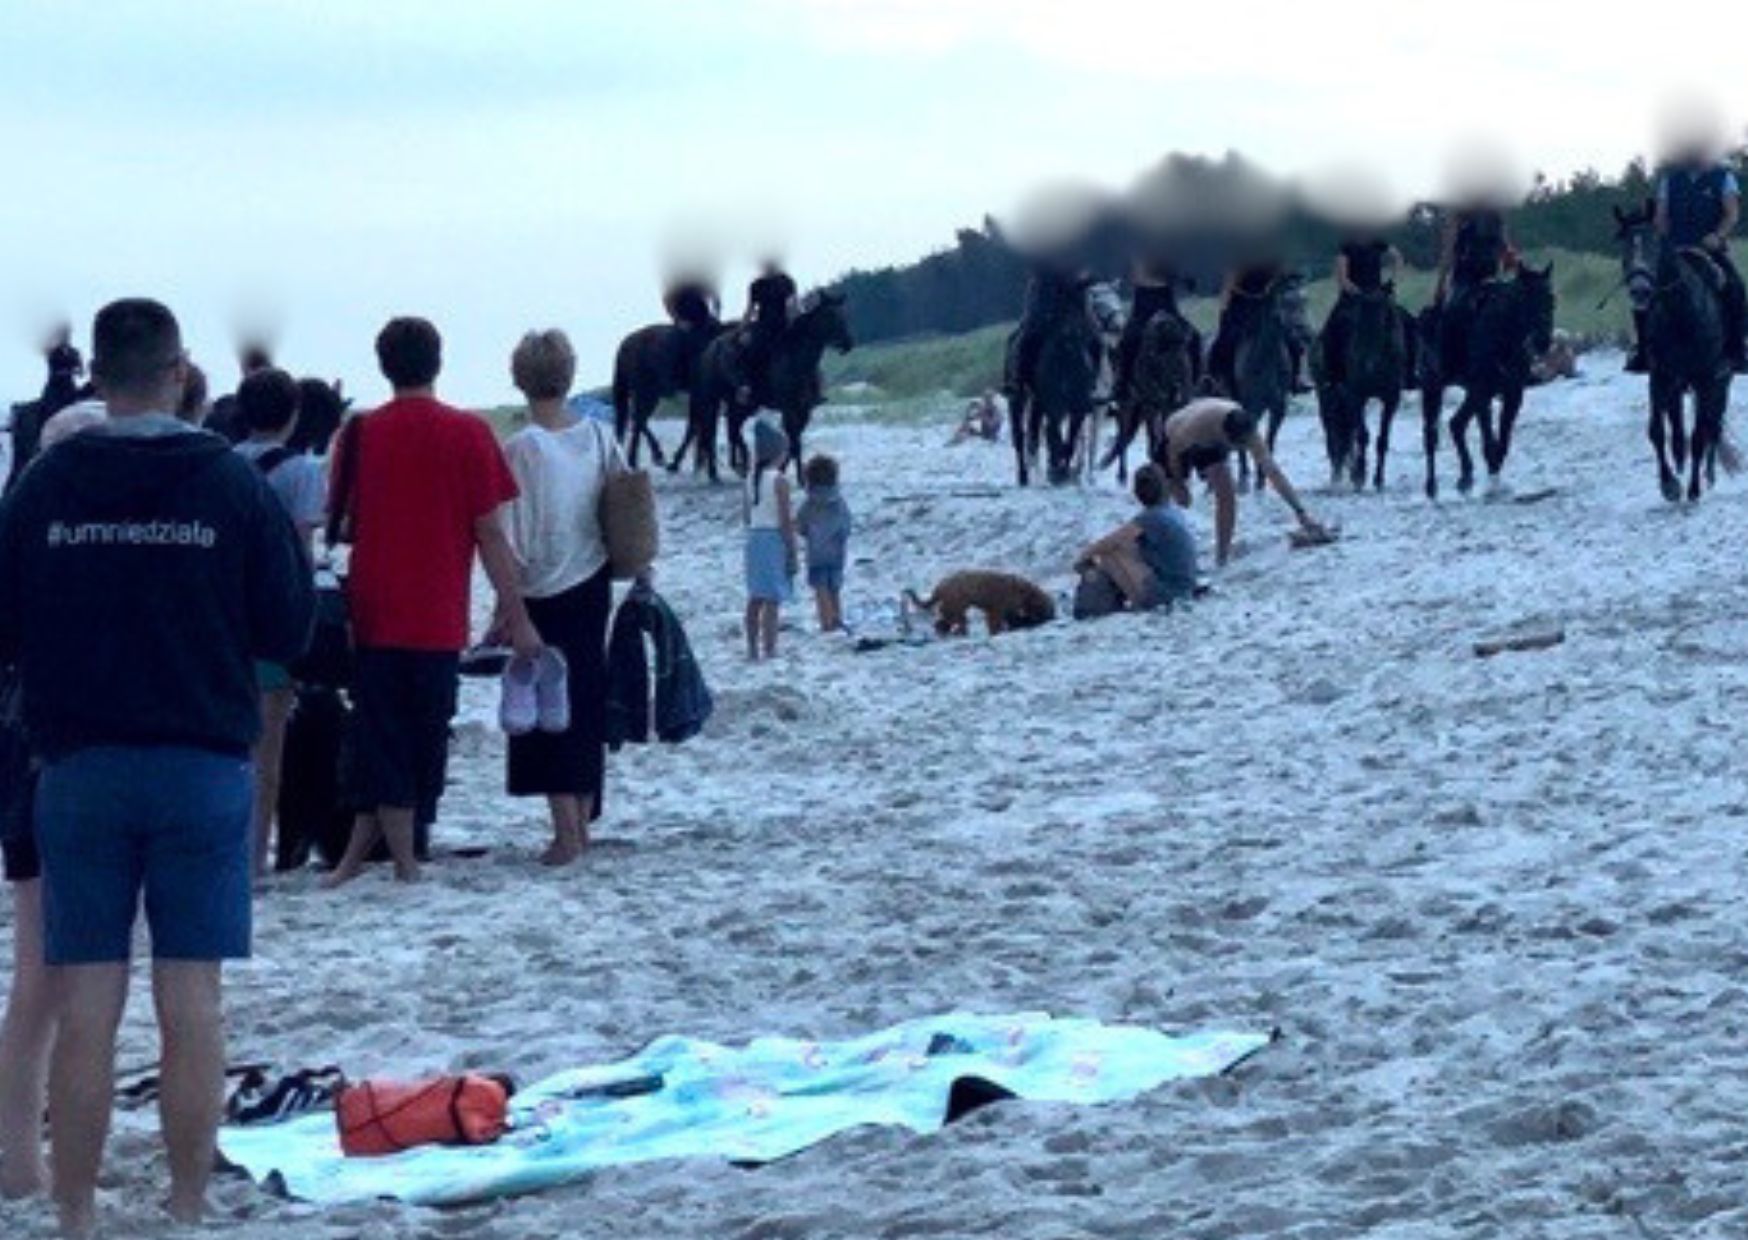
<point>497,165</point>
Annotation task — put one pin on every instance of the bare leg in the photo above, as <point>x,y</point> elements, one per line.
<point>269,753</point>
<point>768,621</point>
<point>192,1098</point>
<point>25,1040</point>
<point>822,604</point>
<point>366,830</point>
<point>752,627</point>
<point>1126,567</point>
<point>837,609</point>
<point>1219,478</point>
<point>570,831</point>
<point>88,1002</point>
<point>397,829</point>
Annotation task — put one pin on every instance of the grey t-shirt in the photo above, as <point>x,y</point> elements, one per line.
<point>300,481</point>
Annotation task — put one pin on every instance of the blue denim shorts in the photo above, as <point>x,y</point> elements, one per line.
<point>826,577</point>
<point>173,824</point>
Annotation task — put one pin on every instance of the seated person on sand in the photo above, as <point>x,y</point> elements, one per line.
<point>1202,436</point>
<point>982,420</point>
<point>1152,558</point>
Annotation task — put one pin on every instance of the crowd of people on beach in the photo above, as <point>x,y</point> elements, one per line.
<point>159,591</point>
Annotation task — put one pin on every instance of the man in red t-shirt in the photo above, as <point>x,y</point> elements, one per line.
<point>423,486</point>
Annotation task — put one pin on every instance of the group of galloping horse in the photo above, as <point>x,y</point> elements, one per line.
<point>1488,355</point>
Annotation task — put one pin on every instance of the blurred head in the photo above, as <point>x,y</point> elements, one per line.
<point>410,353</point>
<point>822,471</point>
<point>193,405</point>
<point>267,403</point>
<point>1690,132</point>
<point>544,365</point>
<point>1151,486</point>
<point>137,357</point>
<point>253,356</point>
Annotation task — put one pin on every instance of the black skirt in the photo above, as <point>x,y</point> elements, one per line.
<point>572,762</point>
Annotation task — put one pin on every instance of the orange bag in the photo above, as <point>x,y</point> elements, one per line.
<point>386,1117</point>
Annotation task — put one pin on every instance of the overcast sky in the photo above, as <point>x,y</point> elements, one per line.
<point>319,165</point>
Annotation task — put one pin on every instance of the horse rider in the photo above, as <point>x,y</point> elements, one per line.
<point>696,309</point>
<point>1366,263</point>
<point>770,300</point>
<point>1155,283</point>
<point>1473,252</point>
<point>1241,300</point>
<point>1054,291</point>
<point>1698,205</point>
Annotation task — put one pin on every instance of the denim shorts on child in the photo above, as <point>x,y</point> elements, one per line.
<point>172,824</point>
<point>826,577</point>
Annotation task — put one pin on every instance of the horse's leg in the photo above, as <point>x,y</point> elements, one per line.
<point>1392,401</point>
<point>1510,406</point>
<point>1360,440</point>
<point>1698,447</point>
<point>1460,436</point>
<point>795,427</point>
<point>1654,429</point>
<point>1432,399</point>
<point>1673,407</point>
<point>655,445</point>
<point>1017,431</point>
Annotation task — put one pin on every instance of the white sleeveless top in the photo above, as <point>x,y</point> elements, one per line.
<point>763,514</point>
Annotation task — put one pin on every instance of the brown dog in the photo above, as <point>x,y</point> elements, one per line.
<point>1006,601</point>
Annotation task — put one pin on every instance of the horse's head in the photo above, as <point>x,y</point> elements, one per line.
<point>826,320</point>
<point>1635,232</point>
<point>1535,291</point>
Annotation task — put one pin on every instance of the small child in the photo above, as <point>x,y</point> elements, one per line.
<point>824,521</point>
<point>770,526</point>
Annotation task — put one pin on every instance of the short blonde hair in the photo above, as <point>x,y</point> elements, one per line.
<point>544,365</point>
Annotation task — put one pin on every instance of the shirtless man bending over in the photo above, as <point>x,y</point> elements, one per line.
<point>1202,436</point>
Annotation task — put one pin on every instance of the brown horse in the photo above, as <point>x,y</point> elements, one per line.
<point>654,363</point>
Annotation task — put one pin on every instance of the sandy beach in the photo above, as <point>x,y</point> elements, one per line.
<point>1492,905</point>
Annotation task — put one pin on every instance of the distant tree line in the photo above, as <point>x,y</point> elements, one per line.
<point>981,278</point>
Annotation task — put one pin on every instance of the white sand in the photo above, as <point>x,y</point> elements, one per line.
<point>1493,904</point>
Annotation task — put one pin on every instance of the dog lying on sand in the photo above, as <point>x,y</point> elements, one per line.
<point>1006,601</point>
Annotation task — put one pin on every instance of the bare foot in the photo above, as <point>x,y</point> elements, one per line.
<point>564,850</point>
<point>22,1176</point>
<point>407,873</point>
<point>186,1210</point>
<point>78,1221</point>
<point>342,874</point>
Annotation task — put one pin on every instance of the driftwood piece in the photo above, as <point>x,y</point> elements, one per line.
<point>1541,639</point>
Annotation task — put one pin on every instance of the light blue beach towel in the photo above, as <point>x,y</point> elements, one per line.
<point>751,1104</point>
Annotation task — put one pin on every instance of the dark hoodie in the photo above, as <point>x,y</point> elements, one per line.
<point>140,577</point>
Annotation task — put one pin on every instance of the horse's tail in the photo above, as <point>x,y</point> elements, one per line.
<point>621,389</point>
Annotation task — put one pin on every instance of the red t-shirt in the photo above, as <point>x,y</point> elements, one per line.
<point>426,473</point>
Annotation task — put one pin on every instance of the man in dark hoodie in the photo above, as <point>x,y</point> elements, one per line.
<point>144,567</point>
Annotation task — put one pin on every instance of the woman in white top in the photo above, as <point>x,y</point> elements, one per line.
<point>561,463</point>
<point>770,530</point>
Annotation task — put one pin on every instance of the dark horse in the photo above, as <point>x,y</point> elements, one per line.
<point>1511,321</point>
<point>654,363</point>
<point>791,384</point>
<point>1679,292</point>
<point>1164,381</point>
<point>1373,366</point>
<point>1051,409</point>
<point>1262,358</point>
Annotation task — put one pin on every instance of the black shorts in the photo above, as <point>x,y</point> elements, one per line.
<point>404,701</point>
<point>20,859</point>
<point>1204,456</point>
